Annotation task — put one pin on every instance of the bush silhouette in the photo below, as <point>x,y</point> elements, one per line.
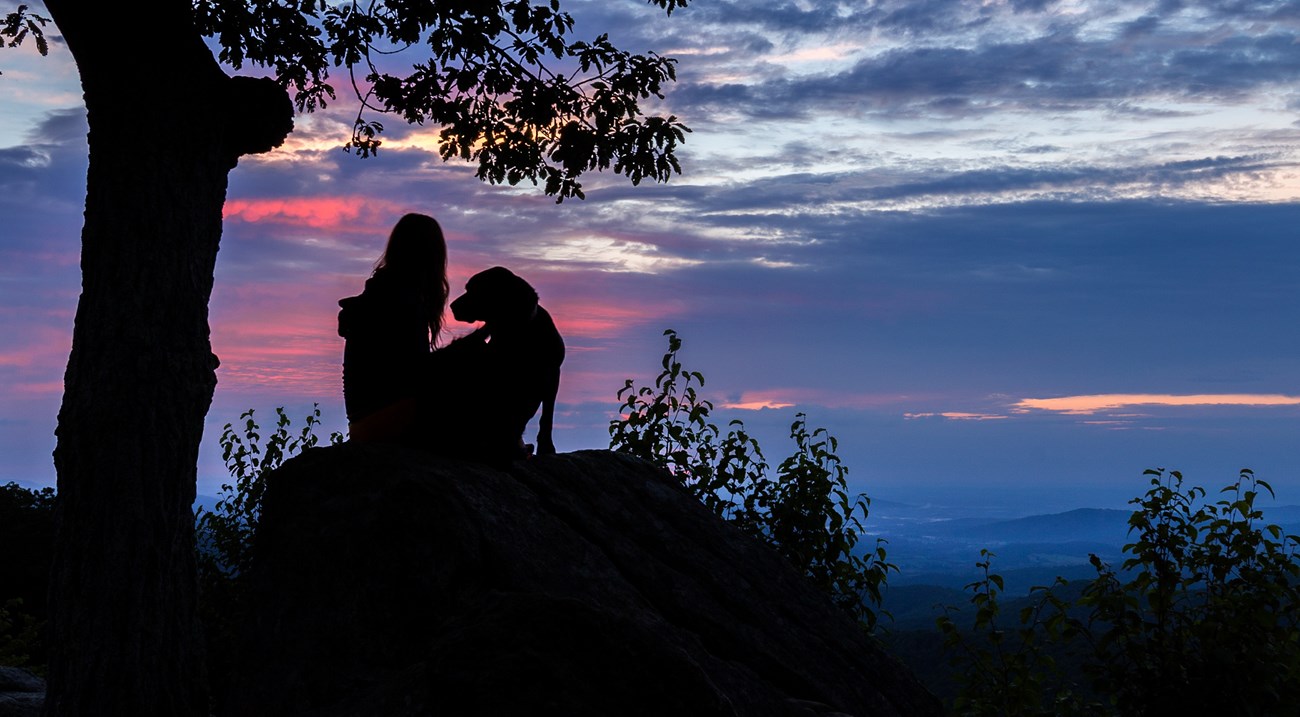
<point>224,534</point>
<point>804,510</point>
<point>27,526</point>
<point>1202,617</point>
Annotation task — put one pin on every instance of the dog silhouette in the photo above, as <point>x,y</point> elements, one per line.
<point>518,363</point>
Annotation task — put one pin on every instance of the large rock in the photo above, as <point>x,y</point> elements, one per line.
<point>389,582</point>
<point>22,694</point>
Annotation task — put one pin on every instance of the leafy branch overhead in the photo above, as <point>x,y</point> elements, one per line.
<point>21,24</point>
<point>511,87</point>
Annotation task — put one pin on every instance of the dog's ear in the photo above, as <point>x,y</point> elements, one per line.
<point>519,299</point>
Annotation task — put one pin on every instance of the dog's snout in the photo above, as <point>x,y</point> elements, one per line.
<point>460,308</point>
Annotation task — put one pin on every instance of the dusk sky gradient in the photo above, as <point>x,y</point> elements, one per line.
<point>1010,252</point>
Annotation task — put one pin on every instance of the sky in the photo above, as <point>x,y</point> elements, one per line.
<point>1010,253</point>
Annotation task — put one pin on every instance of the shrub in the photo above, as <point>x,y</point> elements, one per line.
<point>224,535</point>
<point>1005,671</point>
<point>1202,617</point>
<point>1208,591</point>
<point>21,641</point>
<point>804,511</point>
<point>227,530</point>
<point>27,530</point>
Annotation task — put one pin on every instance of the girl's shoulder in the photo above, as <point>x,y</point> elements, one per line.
<point>382,303</point>
<point>388,286</point>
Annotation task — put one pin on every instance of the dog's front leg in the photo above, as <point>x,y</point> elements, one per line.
<point>545,444</point>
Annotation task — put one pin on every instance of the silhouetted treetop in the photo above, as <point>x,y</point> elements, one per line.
<point>510,85</point>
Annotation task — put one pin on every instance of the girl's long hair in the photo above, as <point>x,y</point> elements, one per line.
<point>417,254</point>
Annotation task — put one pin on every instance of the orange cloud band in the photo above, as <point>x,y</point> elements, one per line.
<point>1087,405</point>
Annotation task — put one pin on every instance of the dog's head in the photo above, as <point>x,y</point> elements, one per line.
<point>497,297</point>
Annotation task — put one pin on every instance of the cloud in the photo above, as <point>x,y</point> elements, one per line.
<point>43,182</point>
<point>1057,73</point>
<point>751,401</point>
<point>1089,405</point>
<point>316,212</point>
<point>949,60</point>
<point>32,361</point>
<point>956,416</point>
<point>61,126</point>
<point>806,397</point>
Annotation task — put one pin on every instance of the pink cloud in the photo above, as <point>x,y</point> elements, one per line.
<point>35,367</point>
<point>1089,405</point>
<point>314,212</point>
<point>756,404</point>
<point>786,397</point>
<point>279,339</point>
<point>579,384</point>
<point>43,257</point>
<point>37,389</point>
<point>603,317</point>
<point>961,416</point>
<point>956,416</point>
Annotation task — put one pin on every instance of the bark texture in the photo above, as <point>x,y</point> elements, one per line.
<point>165,131</point>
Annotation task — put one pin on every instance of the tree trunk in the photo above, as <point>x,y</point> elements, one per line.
<point>124,634</point>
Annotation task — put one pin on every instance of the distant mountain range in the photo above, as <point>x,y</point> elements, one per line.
<point>1031,550</point>
<point>936,556</point>
<point>1102,525</point>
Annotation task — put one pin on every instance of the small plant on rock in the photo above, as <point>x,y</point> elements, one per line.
<point>224,535</point>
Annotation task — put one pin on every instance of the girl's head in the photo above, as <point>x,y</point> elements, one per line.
<point>417,254</point>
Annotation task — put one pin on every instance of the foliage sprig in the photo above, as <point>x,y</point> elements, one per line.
<point>804,510</point>
<point>20,24</point>
<point>225,533</point>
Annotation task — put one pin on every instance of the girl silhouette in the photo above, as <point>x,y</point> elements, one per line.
<point>389,331</point>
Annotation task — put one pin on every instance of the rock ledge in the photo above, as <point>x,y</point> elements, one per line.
<point>589,583</point>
